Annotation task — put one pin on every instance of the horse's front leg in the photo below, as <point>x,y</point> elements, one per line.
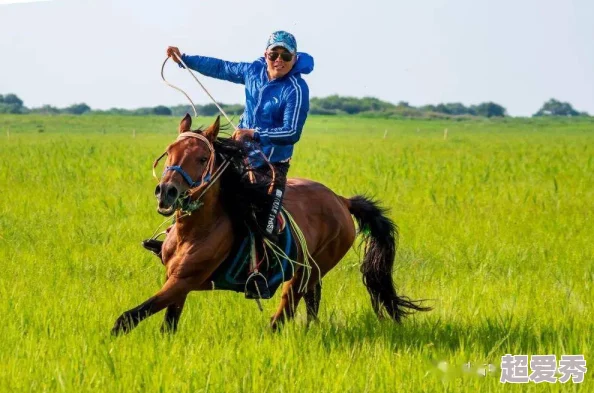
<point>174,290</point>
<point>289,301</point>
<point>172,316</point>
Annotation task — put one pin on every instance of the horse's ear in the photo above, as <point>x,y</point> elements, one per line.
<point>185,124</point>
<point>213,131</point>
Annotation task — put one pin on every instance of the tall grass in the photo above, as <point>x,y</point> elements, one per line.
<point>496,230</point>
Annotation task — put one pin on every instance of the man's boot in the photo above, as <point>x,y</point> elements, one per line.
<point>270,227</point>
<point>153,245</point>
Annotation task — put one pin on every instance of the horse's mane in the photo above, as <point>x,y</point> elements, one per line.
<point>240,197</point>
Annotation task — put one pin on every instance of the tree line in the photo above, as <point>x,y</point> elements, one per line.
<point>331,105</point>
<point>336,105</point>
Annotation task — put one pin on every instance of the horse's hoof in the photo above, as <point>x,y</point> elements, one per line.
<point>121,326</point>
<point>275,324</point>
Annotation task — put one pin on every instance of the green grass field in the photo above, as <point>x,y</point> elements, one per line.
<point>496,229</point>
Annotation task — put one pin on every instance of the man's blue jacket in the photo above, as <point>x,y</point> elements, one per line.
<point>276,109</point>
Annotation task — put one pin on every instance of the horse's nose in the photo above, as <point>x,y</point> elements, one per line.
<point>172,193</point>
<point>166,194</point>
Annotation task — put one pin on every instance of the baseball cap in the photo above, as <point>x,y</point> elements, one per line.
<point>283,39</point>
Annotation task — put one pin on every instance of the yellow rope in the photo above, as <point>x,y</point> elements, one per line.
<point>307,258</point>
<point>301,242</point>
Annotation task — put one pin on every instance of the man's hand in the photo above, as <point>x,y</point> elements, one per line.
<point>243,135</point>
<point>171,50</point>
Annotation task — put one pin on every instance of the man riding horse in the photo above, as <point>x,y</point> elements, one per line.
<point>277,103</point>
<point>205,251</point>
<point>203,185</point>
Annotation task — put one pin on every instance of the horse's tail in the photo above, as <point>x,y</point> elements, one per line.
<point>381,241</point>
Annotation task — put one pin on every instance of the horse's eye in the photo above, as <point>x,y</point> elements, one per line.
<point>203,160</point>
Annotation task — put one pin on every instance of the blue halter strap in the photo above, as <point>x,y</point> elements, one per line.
<point>187,177</point>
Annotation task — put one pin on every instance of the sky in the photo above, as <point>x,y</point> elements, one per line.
<point>518,53</point>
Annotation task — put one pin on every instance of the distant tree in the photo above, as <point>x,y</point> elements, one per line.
<point>77,109</point>
<point>208,110</point>
<point>442,108</point>
<point>10,103</point>
<point>161,111</point>
<point>212,110</point>
<point>317,110</point>
<point>352,106</point>
<point>428,108</point>
<point>12,99</point>
<point>6,108</point>
<point>556,108</point>
<point>318,107</point>
<point>235,109</point>
<point>328,103</point>
<point>372,104</point>
<point>143,111</point>
<point>457,109</point>
<point>180,110</point>
<point>46,110</point>
<point>335,104</point>
<point>489,109</point>
<point>454,108</point>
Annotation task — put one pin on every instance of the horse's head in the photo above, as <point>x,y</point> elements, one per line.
<point>189,165</point>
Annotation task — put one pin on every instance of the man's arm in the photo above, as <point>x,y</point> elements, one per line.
<point>294,117</point>
<point>216,68</point>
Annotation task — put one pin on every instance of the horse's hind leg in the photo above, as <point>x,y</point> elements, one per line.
<point>171,293</point>
<point>172,315</point>
<point>312,299</point>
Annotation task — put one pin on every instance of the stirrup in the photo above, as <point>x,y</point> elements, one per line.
<point>256,287</point>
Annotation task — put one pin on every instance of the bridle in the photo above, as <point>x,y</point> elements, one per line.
<point>208,178</point>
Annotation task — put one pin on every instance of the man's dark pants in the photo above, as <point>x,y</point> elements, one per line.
<point>269,210</point>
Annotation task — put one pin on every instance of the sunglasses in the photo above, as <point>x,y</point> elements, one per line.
<point>286,56</point>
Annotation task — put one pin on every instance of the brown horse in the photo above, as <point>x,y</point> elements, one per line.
<point>198,243</point>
